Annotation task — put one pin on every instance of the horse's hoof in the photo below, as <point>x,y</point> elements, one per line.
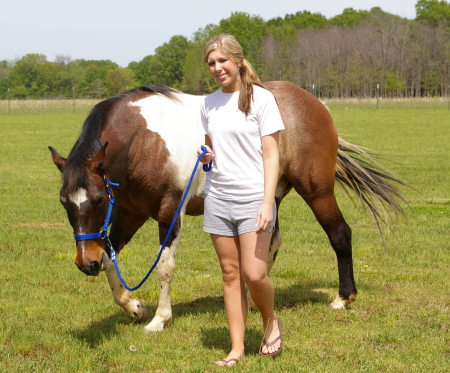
<point>156,325</point>
<point>137,311</point>
<point>340,303</point>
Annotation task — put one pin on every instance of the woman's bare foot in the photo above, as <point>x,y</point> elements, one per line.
<point>232,359</point>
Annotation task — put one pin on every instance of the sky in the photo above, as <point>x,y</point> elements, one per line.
<point>128,30</point>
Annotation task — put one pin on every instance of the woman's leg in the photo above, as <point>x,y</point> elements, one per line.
<point>254,248</point>
<point>228,252</point>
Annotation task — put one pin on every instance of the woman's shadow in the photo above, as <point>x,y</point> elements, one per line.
<point>216,337</point>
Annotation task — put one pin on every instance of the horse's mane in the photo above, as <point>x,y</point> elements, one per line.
<point>89,141</point>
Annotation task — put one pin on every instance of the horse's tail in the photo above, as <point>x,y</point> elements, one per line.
<point>373,184</point>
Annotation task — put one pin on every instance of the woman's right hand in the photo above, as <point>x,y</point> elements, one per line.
<point>208,156</point>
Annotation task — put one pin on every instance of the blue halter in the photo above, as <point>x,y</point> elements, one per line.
<point>103,234</point>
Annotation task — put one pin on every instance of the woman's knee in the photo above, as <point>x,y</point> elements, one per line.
<point>256,281</point>
<point>230,274</point>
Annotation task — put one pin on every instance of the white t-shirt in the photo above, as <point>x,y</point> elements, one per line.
<point>237,169</point>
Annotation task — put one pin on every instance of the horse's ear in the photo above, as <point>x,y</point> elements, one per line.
<point>58,160</point>
<point>96,162</point>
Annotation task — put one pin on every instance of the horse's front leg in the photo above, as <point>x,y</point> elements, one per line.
<point>133,307</point>
<point>165,270</point>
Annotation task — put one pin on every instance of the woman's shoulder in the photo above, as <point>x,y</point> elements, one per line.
<point>261,92</point>
<point>262,95</point>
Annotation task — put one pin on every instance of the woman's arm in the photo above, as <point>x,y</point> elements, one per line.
<point>271,159</point>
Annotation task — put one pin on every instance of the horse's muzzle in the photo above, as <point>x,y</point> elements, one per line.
<point>94,267</point>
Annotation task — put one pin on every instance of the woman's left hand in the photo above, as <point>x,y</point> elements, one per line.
<point>264,218</point>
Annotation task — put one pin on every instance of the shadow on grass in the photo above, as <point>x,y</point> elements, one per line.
<point>290,297</point>
<point>99,331</point>
<point>218,338</point>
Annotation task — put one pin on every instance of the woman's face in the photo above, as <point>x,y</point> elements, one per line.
<point>224,70</point>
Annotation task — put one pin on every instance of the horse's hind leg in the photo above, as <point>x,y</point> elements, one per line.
<point>133,307</point>
<point>339,233</point>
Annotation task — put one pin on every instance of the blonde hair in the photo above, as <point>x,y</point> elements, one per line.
<point>231,47</point>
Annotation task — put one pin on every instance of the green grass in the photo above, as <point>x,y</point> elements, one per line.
<point>55,319</point>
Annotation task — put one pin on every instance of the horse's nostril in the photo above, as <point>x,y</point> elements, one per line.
<point>94,268</point>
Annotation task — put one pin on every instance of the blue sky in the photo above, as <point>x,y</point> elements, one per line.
<point>125,31</point>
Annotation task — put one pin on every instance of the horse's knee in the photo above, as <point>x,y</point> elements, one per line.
<point>166,265</point>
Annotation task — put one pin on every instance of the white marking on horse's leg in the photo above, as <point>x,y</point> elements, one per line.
<point>133,307</point>
<point>78,197</point>
<point>165,270</point>
<point>340,304</point>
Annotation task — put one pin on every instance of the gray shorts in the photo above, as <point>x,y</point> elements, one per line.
<point>232,218</point>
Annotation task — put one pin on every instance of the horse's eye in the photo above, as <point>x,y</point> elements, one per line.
<point>98,201</point>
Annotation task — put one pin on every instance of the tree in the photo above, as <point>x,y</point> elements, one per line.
<point>171,56</point>
<point>119,80</point>
<point>349,18</point>
<point>93,72</point>
<point>433,11</point>
<point>306,20</point>
<point>279,54</point>
<point>166,66</point>
<point>249,31</point>
<point>194,71</point>
<point>36,74</point>
<point>147,70</point>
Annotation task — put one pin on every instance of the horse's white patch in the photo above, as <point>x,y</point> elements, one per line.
<point>78,197</point>
<point>178,123</point>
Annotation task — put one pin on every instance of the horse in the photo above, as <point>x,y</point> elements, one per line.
<point>146,140</point>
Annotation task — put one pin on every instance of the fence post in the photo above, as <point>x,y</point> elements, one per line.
<point>378,94</point>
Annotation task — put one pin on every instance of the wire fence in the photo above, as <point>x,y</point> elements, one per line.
<point>46,106</point>
<point>16,107</point>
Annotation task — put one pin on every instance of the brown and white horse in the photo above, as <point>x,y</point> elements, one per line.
<point>146,140</point>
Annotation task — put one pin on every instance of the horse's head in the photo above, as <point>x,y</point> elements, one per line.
<point>85,199</point>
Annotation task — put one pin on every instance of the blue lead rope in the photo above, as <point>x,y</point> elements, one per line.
<point>206,168</point>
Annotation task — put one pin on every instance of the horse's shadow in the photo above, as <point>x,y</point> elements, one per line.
<point>99,331</point>
<point>212,337</point>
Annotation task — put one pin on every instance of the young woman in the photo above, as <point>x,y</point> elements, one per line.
<point>242,123</point>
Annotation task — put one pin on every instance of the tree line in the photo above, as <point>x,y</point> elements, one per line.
<point>358,53</point>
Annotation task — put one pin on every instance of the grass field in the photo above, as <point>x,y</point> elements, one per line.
<point>53,318</point>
